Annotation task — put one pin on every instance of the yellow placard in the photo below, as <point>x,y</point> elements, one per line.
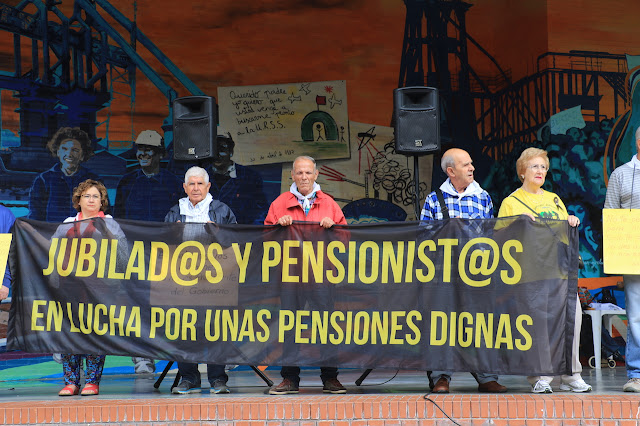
<point>621,241</point>
<point>5,243</point>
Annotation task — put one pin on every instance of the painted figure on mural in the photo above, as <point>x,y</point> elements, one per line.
<point>52,190</point>
<point>464,198</point>
<point>239,187</point>
<point>147,194</point>
<point>150,191</point>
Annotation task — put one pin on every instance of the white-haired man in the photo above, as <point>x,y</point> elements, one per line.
<point>200,207</point>
<point>305,202</point>
<point>463,197</point>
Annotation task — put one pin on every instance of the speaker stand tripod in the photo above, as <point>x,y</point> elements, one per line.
<point>416,182</point>
<point>363,376</point>
<point>158,382</point>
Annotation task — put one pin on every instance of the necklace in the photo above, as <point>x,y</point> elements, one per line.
<point>539,191</point>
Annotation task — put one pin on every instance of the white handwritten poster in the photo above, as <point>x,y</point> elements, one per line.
<point>276,123</point>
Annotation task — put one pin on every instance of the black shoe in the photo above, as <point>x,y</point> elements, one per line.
<point>220,386</point>
<point>186,387</point>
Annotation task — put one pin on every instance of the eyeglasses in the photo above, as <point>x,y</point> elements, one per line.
<point>541,167</point>
<point>148,151</point>
<point>89,196</point>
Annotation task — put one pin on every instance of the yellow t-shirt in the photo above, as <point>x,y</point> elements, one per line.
<point>548,205</point>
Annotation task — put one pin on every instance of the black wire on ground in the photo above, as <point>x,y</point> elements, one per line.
<point>426,396</point>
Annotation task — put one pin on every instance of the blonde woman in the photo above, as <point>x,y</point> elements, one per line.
<point>531,200</point>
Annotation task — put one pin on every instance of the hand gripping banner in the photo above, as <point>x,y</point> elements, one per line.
<point>491,295</point>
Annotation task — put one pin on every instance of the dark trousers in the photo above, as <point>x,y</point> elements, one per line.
<point>293,373</point>
<point>189,372</point>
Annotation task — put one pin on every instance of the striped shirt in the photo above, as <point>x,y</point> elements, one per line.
<point>623,191</point>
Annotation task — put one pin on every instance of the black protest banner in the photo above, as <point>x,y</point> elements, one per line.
<point>495,295</point>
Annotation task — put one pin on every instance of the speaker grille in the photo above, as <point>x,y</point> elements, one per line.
<point>417,132</point>
<point>192,139</point>
<point>417,122</point>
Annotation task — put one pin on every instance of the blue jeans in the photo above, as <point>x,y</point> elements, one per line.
<point>189,372</point>
<point>632,300</point>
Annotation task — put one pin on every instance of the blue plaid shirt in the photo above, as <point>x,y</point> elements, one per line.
<point>475,206</point>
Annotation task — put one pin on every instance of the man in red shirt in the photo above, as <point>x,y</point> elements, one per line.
<point>305,202</point>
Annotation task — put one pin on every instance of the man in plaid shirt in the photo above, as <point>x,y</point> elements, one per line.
<point>462,194</point>
<point>465,199</point>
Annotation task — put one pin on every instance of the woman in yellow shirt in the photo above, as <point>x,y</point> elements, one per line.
<point>531,200</point>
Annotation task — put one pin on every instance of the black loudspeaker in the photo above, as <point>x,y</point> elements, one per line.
<point>417,120</point>
<point>194,128</point>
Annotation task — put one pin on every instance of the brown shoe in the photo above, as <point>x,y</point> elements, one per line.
<point>491,387</point>
<point>333,386</point>
<point>284,388</point>
<point>442,386</point>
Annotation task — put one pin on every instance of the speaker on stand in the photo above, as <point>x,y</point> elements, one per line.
<point>416,126</point>
<point>194,128</point>
<point>416,117</point>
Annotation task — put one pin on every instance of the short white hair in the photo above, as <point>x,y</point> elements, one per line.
<point>638,133</point>
<point>448,160</point>
<point>304,157</point>
<point>197,172</point>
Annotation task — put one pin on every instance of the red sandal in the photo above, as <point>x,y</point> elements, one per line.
<point>90,389</point>
<point>69,390</point>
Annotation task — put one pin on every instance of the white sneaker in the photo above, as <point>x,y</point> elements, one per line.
<point>57,358</point>
<point>633,385</point>
<point>542,387</point>
<point>143,365</point>
<point>576,386</point>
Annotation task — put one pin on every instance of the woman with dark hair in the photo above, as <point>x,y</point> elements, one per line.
<point>90,200</point>
<point>531,200</point>
<point>51,191</point>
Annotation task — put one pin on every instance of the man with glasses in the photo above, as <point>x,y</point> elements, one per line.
<point>463,198</point>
